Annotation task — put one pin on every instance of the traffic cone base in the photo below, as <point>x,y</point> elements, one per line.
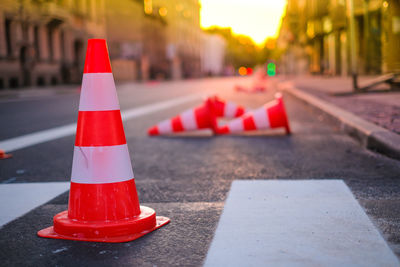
<point>110,232</point>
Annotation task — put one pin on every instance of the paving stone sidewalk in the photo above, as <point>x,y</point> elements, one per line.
<point>381,108</point>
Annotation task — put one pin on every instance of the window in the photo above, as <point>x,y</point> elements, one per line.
<point>50,42</point>
<point>8,37</point>
<point>36,42</point>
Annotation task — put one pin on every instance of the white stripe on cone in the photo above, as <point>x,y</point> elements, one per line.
<point>236,125</point>
<point>260,117</point>
<point>98,92</point>
<point>165,127</point>
<point>230,110</point>
<point>188,120</point>
<point>100,165</point>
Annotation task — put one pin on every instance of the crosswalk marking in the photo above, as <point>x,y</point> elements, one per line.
<point>296,223</point>
<point>18,199</point>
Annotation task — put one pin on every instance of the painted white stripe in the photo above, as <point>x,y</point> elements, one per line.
<point>188,120</point>
<point>236,125</point>
<point>261,118</point>
<point>31,139</point>
<point>230,109</point>
<point>296,223</point>
<point>100,165</point>
<point>137,112</point>
<point>98,92</point>
<point>18,199</point>
<point>165,127</point>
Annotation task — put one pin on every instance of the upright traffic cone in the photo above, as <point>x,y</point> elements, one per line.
<point>271,115</point>
<point>226,109</point>
<point>103,202</point>
<point>201,117</point>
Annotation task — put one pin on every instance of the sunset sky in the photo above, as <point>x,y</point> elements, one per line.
<point>257,19</point>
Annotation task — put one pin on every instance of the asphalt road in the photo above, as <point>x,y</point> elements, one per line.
<point>184,177</point>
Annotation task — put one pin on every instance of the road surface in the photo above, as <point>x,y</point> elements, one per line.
<point>184,177</point>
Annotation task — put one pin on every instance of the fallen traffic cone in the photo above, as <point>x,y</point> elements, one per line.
<point>254,89</point>
<point>271,115</point>
<point>226,109</point>
<point>4,155</point>
<point>103,202</point>
<point>201,117</point>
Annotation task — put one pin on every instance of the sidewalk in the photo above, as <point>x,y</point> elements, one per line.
<point>382,109</point>
<point>373,117</point>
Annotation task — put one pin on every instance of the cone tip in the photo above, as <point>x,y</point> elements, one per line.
<point>278,95</point>
<point>153,131</point>
<point>97,60</point>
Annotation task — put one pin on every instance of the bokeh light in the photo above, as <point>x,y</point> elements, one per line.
<point>148,6</point>
<point>242,71</point>
<point>271,69</point>
<point>163,11</point>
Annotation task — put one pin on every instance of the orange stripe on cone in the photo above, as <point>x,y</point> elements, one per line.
<point>103,203</point>
<point>248,123</point>
<point>226,109</point>
<point>97,60</point>
<point>100,128</point>
<point>101,209</point>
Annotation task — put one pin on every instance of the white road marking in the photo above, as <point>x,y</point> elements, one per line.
<point>296,223</point>
<point>31,139</point>
<point>18,199</point>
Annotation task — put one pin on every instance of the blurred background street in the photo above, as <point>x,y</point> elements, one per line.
<point>336,62</point>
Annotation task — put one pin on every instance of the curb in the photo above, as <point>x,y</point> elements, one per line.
<point>371,136</point>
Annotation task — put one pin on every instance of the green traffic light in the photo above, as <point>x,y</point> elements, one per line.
<point>271,72</point>
<point>271,66</point>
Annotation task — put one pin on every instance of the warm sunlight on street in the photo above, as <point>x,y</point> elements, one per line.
<point>204,133</point>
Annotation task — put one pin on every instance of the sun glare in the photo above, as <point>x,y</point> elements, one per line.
<point>258,19</point>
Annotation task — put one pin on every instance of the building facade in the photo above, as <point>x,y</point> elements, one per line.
<point>184,36</point>
<point>136,40</point>
<point>43,42</point>
<point>315,36</point>
<point>213,58</point>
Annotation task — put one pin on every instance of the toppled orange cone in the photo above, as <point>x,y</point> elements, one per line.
<point>271,115</point>
<point>103,202</point>
<point>4,155</point>
<point>254,89</point>
<point>226,109</point>
<point>201,117</point>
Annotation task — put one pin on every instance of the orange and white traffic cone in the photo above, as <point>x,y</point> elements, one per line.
<point>201,117</point>
<point>271,115</point>
<point>226,109</point>
<point>103,202</point>
<point>4,155</point>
